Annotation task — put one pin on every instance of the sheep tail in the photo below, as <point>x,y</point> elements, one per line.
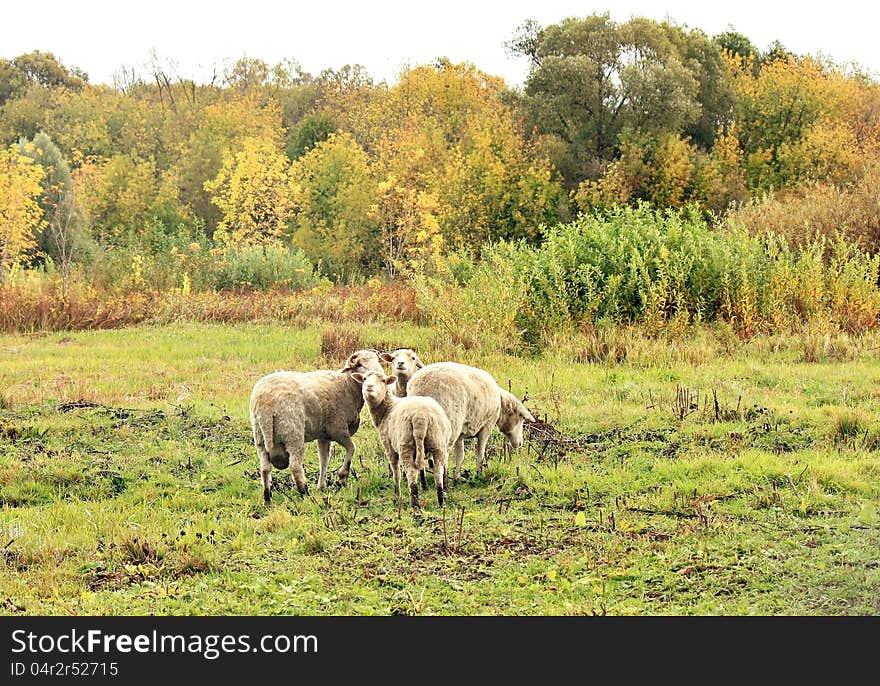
<point>420,430</point>
<point>267,429</point>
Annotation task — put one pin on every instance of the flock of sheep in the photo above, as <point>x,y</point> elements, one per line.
<point>421,411</point>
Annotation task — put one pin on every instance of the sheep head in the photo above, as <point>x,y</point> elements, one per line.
<point>513,415</point>
<point>404,361</point>
<point>374,385</point>
<point>363,361</point>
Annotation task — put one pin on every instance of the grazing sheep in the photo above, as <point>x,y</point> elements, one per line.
<point>513,415</point>
<point>290,409</point>
<point>469,396</point>
<point>404,363</point>
<point>410,428</point>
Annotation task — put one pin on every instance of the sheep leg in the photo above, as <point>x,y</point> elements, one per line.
<point>440,476</point>
<point>342,473</point>
<point>424,479</point>
<point>459,457</point>
<point>407,456</point>
<point>323,461</point>
<point>296,468</point>
<point>265,474</point>
<point>394,464</point>
<point>482,439</point>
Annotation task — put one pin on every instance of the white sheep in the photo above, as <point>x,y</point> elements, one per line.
<point>474,403</point>
<point>410,428</point>
<point>289,409</point>
<point>470,398</point>
<point>512,417</point>
<point>404,363</point>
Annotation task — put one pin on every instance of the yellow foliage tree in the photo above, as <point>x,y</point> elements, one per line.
<point>335,198</point>
<point>669,172</point>
<point>252,191</point>
<point>220,131</point>
<point>445,136</point>
<point>409,231</point>
<point>801,119</point>
<point>20,212</point>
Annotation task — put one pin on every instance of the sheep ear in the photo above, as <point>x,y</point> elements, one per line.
<point>526,414</point>
<point>385,357</point>
<point>390,379</point>
<point>357,376</point>
<point>419,363</point>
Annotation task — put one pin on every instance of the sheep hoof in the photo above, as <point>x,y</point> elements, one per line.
<point>267,496</point>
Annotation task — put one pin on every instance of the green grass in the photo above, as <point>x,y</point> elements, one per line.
<point>128,485</point>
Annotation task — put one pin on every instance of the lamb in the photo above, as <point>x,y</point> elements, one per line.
<point>404,363</point>
<point>289,409</point>
<point>410,428</point>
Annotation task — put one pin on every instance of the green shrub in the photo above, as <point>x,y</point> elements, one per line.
<point>262,266</point>
<point>662,270</point>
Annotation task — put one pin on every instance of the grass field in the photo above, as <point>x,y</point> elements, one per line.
<point>699,476</point>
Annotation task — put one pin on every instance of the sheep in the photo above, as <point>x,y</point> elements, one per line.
<point>469,396</point>
<point>289,409</point>
<point>474,403</point>
<point>404,363</point>
<point>512,417</point>
<point>410,428</point>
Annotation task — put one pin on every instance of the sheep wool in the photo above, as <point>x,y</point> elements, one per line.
<point>469,396</point>
<point>289,409</point>
<point>410,429</point>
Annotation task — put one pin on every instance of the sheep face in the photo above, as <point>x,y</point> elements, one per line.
<point>363,362</point>
<point>510,421</point>
<point>404,361</point>
<point>374,386</point>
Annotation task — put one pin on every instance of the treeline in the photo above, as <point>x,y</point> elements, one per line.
<point>354,178</point>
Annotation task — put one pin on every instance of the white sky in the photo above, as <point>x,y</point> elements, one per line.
<point>100,36</point>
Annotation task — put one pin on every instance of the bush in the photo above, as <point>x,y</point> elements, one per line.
<point>482,313</point>
<point>819,209</point>
<point>663,270</point>
<point>263,266</point>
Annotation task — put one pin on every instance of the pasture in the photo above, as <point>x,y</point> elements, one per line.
<point>688,476</point>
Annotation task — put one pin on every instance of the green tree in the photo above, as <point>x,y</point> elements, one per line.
<point>335,201</point>
<point>36,69</point>
<point>592,78</point>
<point>61,233</point>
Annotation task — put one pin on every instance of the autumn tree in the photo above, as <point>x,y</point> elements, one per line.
<point>222,127</point>
<point>801,119</point>
<point>669,171</point>
<point>252,191</point>
<point>451,153</point>
<point>335,206</point>
<point>20,212</point>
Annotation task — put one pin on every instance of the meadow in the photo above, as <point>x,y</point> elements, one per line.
<point>691,474</point>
